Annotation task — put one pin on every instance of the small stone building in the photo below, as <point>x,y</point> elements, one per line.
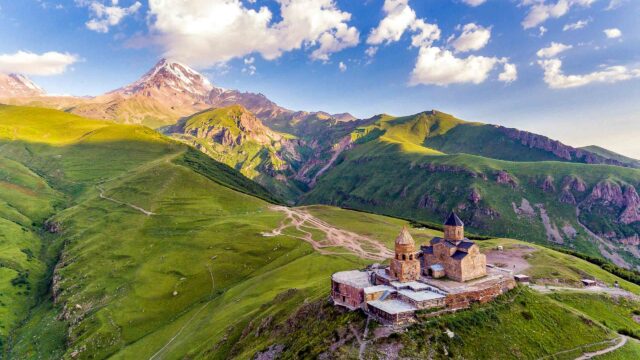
<point>347,288</point>
<point>453,256</point>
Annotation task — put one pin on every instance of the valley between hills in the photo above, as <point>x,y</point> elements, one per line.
<point>172,219</point>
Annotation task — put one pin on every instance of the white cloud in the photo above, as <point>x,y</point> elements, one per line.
<point>553,50</point>
<point>28,63</point>
<point>540,10</point>
<point>399,18</point>
<point>542,30</point>
<point>103,17</point>
<point>251,69</point>
<point>556,79</point>
<point>438,66</point>
<point>509,73</point>
<point>206,32</point>
<point>342,67</point>
<point>371,51</point>
<point>613,33</point>
<point>249,60</point>
<point>473,37</point>
<point>474,2</point>
<point>614,4</point>
<point>576,25</point>
<point>425,33</point>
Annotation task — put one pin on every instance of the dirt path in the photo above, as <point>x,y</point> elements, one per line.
<point>362,246</point>
<point>363,343</point>
<point>158,354</point>
<point>587,355</point>
<point>589,289</point>
<point>510,259</point>
<point>103,196</point>
<point>604,351</point>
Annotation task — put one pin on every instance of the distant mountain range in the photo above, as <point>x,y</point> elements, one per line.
<point>505,181</point>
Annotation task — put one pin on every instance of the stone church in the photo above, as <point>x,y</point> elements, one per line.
<point>453,256</point>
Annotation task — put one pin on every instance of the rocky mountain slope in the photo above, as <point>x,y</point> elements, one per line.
<point>16,85</point>
<point>236,137</point>
<point>422,166</point>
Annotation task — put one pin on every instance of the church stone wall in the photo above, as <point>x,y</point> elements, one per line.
<point>473,266</point>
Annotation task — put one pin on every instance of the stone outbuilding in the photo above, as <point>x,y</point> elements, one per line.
<point>453,256</point>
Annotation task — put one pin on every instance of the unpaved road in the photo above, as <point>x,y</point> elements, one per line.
<point>357,244</point>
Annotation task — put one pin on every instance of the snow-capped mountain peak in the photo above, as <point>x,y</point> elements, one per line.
<point>17,85</point>
<point>172,77</point>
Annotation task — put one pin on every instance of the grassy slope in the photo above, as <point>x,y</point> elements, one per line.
<point>134,165</point>
<point>611,155</point>
<point>421,184</point>
<point>630,351</point>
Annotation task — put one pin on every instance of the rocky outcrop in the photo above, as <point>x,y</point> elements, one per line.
<point>474,196</point>
<point>525,208</point>
<point>555,147</point>
<point>631,212</point>
<point>631,240</point>
<point>53,227</point>
<point>609,193</point>
<point>503,177</point>
<point>426,202</point>
<point>548,185</point>
<point>606,192</point>
<point>567,197</point>
<point>574,183</point>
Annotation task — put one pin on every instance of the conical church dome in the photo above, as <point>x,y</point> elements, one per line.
<point>405,238</point>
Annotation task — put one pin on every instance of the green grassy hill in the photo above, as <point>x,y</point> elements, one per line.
<point>611,155</point>
<point>393,170</point>
<point>122,243</point>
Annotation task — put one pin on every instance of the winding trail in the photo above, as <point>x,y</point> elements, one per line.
<point>360,245</point>
<point>604,351</point>
<point>103,196</point>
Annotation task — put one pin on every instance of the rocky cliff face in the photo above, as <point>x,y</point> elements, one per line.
<point>557,148</point>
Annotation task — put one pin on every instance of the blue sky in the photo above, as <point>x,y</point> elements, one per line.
<point>583,89</point>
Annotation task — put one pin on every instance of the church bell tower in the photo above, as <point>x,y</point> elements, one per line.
<point>405,266</point>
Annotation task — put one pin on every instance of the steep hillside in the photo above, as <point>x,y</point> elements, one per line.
<point>234,136</point>
<point>392,170</point>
